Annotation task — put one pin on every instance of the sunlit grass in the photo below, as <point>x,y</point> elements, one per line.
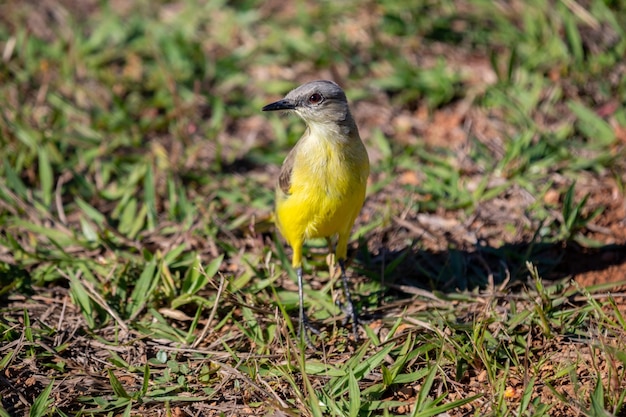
<point>136,189</point>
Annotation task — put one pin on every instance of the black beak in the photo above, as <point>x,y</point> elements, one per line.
<point>283,104</point>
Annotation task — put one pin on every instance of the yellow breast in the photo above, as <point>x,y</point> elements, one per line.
<point>328,185</point>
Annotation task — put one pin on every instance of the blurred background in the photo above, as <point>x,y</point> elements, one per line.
<point>137,169</point>
<point>139,122</point>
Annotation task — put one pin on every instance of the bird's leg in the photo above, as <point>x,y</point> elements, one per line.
<point>349,310</point>
<point>304,326</point>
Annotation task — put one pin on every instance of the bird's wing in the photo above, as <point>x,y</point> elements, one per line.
<point>284,179</point>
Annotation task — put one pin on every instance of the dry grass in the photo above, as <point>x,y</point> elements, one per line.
<point>139,269</point>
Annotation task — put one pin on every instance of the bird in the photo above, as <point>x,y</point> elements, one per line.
<point>322,183</point>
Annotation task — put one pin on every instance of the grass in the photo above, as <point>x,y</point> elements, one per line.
<point>140,273</point>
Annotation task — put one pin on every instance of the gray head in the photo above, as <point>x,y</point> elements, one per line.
<point>319,101</point>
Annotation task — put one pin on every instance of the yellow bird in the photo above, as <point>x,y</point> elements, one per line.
<point>322,183</point>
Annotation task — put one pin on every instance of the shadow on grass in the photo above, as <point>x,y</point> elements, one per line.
<point>465,270</point>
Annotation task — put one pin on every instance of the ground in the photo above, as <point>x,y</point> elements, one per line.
<point>140,270</point>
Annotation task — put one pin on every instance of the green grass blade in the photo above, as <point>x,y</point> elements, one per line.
<point>117,386</point>
<point>46,177</point>
<point>42,402</point>
<point>354,393</point>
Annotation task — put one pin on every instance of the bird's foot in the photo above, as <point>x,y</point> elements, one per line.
<point>304,329</point>
<point>350,315</point>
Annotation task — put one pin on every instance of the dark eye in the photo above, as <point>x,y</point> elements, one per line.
<point>316,98</point>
